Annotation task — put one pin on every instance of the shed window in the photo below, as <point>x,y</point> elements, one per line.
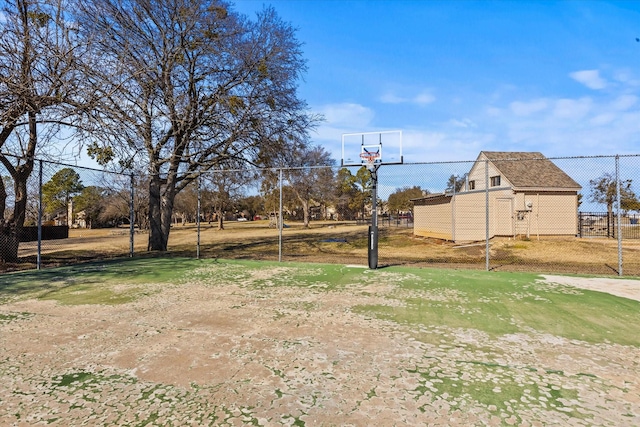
<point>495,181</point>
<point>472,185</point>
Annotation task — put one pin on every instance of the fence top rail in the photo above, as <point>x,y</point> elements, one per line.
<point>277,168</point>
<point>76,166</point>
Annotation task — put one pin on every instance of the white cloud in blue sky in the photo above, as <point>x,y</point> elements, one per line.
<point>422,98</point>
<point>346,115</point>
<point>589,78</point>
<point>459,77</point>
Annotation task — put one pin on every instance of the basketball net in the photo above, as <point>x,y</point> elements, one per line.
<point>370,159</point>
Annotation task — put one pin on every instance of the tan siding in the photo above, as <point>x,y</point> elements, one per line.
<point>478,174</point>
<point>470,217</point>
<point>433,220</point>
<point>554,214</point>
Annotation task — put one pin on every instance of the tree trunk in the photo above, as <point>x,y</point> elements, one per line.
<point>157,241</point>
<point>161,198</point>
<point>166,210</point>
<point>610,220</point>
<point>9,241</point>
<point>220,216</point>
<point>3,199</point>
<point>305,213</point>
<point>11,229</point>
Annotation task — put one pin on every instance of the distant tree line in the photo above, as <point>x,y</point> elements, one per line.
<point>310,191</point>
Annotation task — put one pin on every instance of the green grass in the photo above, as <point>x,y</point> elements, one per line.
<point>501,303</point>
<point>505,392</point>
<point>426,303</point>
<point>93,282</point>
<point>496,303</point>
<point>10,317</point>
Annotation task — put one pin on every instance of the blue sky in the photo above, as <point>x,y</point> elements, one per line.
<point>458,77</point>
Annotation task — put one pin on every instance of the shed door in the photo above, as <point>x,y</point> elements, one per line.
<point>503,225</point>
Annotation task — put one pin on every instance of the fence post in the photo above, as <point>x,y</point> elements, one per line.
<point>39,255</point>
<point>280,220</point>
<point>453,210</point>
<point>618,215</point>
<point>579,224</point>
<point>486,212</point>
<point>132,216</point>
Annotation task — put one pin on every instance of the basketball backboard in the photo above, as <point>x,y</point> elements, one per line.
<point>388,145</point>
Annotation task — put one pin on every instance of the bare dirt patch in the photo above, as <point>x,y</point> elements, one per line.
<point>235,354</point>
<point>625,288</point>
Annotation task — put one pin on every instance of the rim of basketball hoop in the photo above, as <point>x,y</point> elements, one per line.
<point>369,158</point>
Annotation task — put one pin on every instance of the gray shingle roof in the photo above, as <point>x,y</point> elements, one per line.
<point>530,170</point>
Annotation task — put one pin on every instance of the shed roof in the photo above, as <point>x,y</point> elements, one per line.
<point>432,197</point>
<point>527,169</point>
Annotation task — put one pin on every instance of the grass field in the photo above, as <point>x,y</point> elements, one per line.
<point>334,242</point>
<point>175,341</point>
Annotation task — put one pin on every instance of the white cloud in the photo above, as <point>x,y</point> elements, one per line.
<point>340,119</point>
<point>626,77</point>
<point>492,111</point>
<point>624,102</point>
<point>463,123</point>
<point>421,99</point>
<point>603,123</point>
<point>444,144</point>
<point>520,108</point>
<point>589,78</point>
<point>603,119</point>
<point>572,109</point>
<point>392,98</point>
<point>349,115</point>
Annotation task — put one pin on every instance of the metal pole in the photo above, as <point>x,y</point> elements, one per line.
<point>132,217</point>
<point>619,225</point>
<point>198,216</point>
<point>280,222</point>
<point>373,228</point>
<point>486,212</point>
<point>453,211</point>
<point>39,256</point>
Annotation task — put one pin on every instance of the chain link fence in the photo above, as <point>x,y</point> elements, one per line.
<point>72,214</point>
<point>559,215</point>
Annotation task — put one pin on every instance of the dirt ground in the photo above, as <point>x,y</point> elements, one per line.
<point>622,288</point>
<point>195,354</point>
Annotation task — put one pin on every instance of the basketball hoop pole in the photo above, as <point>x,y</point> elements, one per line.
<point>372,249</point>
<point>371,157</point>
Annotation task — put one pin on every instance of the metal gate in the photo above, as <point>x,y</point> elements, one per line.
<point>601,224</point>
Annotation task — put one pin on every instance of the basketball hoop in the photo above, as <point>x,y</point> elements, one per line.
<point>369,158</point>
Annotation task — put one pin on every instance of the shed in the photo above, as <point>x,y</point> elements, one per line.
<point>505,194</point>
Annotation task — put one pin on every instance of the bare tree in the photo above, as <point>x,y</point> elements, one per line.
<point>222,191</point>
<point>117,201</point>
<point>188,86</point>
<point>309,174</point>
<point>39,85</point>
<point>186,204</point>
